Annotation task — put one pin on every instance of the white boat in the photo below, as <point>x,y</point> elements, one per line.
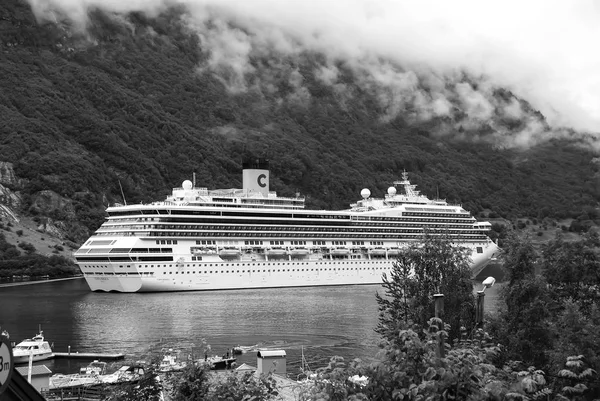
<point>169,362</point>
<point>154,247</point>
<point>125,374</point>
<point>36,348</point>
<point>88,375</point>
<point>218,362</point>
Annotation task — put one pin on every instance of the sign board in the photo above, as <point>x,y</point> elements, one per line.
<point>6,363</point>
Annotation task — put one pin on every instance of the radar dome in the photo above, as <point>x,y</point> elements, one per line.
<point>187,185</point>
<point>365,193</point>
<point>392,191</point>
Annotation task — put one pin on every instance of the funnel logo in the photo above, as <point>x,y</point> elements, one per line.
<point>260,180</point>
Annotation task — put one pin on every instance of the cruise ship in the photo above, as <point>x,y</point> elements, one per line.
<point>201,239</point>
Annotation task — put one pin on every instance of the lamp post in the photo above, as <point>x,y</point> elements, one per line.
<point>488,282</point>
<point>439,313</point>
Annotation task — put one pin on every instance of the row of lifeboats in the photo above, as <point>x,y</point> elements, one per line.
<point>299,252</point>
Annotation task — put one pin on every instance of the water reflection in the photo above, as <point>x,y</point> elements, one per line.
<point>322,321</point>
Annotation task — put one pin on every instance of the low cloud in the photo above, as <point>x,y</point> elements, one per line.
<point>411,53</point>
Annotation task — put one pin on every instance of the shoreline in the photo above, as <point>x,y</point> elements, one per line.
<point>16,284</point>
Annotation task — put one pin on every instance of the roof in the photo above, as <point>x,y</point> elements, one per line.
<point>270,354</point>
<point>36,370</point>
<point>245,367</point>
<point>19,389</point>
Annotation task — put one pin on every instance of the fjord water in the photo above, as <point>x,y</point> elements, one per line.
<point>319,321</point>
<point>325,321</point>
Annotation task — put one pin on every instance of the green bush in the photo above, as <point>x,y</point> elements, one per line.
<point>27,247</point>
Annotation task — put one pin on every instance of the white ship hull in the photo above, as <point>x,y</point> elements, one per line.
<point>229,275</point>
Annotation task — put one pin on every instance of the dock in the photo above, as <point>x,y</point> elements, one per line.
<point>89,355</point>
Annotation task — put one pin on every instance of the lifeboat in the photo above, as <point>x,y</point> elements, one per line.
<point>393,252</point>
<point>340,251</point>
<point>299,252</point>
<point>229,252</point>
<point>377,252</point>
<point>276,252</point>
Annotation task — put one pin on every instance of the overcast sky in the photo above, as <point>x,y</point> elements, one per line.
<point>543,50</point>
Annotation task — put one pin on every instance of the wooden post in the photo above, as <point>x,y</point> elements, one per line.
<point>439,313</point>
<point>439,305</point>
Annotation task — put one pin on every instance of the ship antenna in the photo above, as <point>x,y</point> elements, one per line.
<point>122,193</point>
<point>194,179</point>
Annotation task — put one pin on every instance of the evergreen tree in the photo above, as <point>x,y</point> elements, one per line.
<point>432,266</point>
<point>572,269</point>
<point>524,328</point>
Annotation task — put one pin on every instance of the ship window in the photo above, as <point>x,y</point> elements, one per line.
<point>479,249</point>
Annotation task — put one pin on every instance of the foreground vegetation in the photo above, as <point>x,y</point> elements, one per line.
<point>542,344</point>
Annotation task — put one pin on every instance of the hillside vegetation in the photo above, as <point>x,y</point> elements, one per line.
<point>132,101</point>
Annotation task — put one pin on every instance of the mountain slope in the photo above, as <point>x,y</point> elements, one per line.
<point>137,100</point>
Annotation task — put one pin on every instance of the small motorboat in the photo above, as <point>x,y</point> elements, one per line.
<point>125,374</point>
<point>169,362</point>
<point>36,348</point>
<point>219,362</point>
<point>95,368</point>
<point>88,375</point>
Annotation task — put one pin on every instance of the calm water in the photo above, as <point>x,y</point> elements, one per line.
<point>324,321</point>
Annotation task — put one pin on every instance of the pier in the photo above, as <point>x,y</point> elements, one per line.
<point>88,355</point>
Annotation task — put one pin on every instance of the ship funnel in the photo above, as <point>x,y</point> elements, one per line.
<point>256,176</point>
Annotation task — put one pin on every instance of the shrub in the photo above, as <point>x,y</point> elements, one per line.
<point>27,247</point>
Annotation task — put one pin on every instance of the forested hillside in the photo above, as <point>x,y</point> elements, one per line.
<point>138,99</point>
